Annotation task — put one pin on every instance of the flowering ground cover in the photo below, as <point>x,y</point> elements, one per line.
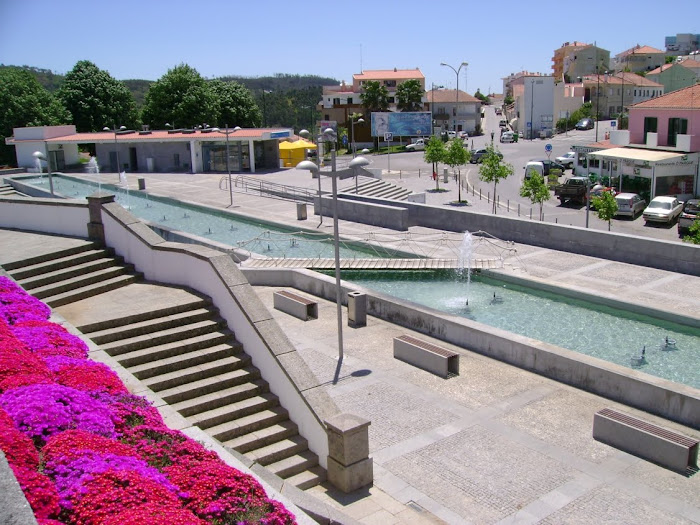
<point>87,452</point>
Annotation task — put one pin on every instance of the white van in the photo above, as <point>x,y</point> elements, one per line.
<point>536,167</point>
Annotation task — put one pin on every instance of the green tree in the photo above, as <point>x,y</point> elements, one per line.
<point>434,153</point>
<point>374,98</point>
<point>23,103</point>
<point>493,170</point>
<point>96,100</point>
<point>694,230</point>
<point>237,106</point>
<point>535,189</point>
<point>605,206</point>
<point>482,97</point>
<point>409,96</point>
<point>182,98</point>
<point>456,155</point>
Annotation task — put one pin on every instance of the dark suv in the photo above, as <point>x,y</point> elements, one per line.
<point>477,154</point>
<point>690,213</point>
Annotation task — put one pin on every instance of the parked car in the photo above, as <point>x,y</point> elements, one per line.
<point>662,209</point>
<point>478,154</point>
<point>597,191</point>
<point>418,145</point>
<point>462,134</point>
<point>507,136</point>
<point>629,204</point>
<point>573,189</point>
<point>567,159</point>
<point>585,123</point>
<point>690,213</point>
<point>548,165</point>
<point>503,124</point>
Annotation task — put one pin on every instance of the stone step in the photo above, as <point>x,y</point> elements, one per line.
<point>69,272</point>
<point>279,450</point>
<point>182,335</point>
<point>140,317</point>
<point>73,283</point>
<point>262,437</point>
<point>174,349</point>
<point>307,478</point>
<point>193,389</point>
<point>234,411</point>
<point>149,326</point>
<point>91,290</point>
<point>185,359</point>
<point>196,373</point>
<point>252,423</point>
<point>225,396</point>
<point>293,465</point>
<point>58,254</point>
<point>59,263</point>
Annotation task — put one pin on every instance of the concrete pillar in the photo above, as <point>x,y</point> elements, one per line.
<point>96,230</point>
<point>349,464</point>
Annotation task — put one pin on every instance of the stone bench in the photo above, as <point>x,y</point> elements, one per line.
<point>427,356</point>
<point>296,305</point>
<point>660,445</point>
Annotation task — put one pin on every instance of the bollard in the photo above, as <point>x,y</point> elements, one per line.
<point>530,213</point>
<point>518,209</point>
<point>479,193</point>
<point>488,197</point>
<point>508,205</point>
<point>556,220</point>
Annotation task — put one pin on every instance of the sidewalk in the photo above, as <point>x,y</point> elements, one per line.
<point>496,444</point>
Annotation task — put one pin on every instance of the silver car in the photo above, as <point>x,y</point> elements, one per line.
<point>663,209</point>
<point>629,204</point>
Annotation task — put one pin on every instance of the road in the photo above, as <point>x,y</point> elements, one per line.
<point>518,154</point>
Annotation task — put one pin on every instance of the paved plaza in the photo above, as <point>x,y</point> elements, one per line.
<point>495,444</point>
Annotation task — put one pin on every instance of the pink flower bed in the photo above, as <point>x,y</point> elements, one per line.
<point>86,452</point>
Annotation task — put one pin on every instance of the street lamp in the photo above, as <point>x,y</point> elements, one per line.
<point>432,109</point>
<point>228,166</point>
<point>116,148</point>
<point>265,91</point>
<point>308,165</point>
<point>457,96</point>
<point>309,136</point>
<point>359,120</point>
<point>357,162</point>
<point>40,156</point>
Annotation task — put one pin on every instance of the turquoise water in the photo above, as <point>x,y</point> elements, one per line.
<point>598,331</point>
<point>256,237</point>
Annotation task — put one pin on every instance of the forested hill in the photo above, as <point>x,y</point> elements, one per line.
<point>279,82</point>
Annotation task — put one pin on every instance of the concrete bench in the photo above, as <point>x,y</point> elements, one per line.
<point>660,445</point>
<point>427,356</point>
<point>295,305</point>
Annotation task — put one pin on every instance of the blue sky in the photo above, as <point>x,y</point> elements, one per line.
<point>143,39</point>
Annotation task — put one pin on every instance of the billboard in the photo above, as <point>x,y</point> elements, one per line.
<point>407,124</point>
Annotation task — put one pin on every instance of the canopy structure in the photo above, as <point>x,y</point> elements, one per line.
<point>292,153</point>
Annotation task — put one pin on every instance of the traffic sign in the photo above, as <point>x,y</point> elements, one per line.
<point>548,148</point>
<point>388,136</point>
<point>613,123</point>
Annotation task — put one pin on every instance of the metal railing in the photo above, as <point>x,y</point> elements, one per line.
<point>273,190</point>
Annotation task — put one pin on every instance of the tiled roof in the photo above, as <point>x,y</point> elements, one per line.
<point>160,136</point>
<point>389,74</point>
<point>449,95</point>
<point>646,49</point>
<point>660,69</point>
<point>619,78</point>
<point>685,98</point>
<point>690,63</point>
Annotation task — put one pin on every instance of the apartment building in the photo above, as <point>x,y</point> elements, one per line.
<point>676,75</point>
<point>609,94</point>
<point>577,59</point>
<point>454,111</point>
<point>682,44</point>
<point>639,59</point>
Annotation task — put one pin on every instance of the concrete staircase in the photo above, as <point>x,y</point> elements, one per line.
<point>7,190</point>
<point>186,354</point>
<point>379,188</point>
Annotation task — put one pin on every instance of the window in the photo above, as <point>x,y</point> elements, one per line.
<point>676,126</point>
<point>390,83</point>
<point>336,101</point>
<point>349,100</point>
<point>650,125</point>
<point>391,100</point>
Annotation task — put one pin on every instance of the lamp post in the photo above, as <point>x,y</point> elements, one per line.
<point>265,91</point>
<point>314,173</point>
<point>116,149</point>
<point>308,165</point>
<point>352,120</point>
<point>457,95</point>
<point>432,109</point>
<point>40,156</point>
<point>357,162</point>
<point>228,165</point>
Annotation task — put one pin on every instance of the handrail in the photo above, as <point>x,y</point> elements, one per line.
<point>263,188</point>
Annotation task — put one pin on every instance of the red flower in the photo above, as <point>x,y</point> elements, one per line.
<point>18,448</point>
<point>39,491</point>
<point>114,492</point>
<point>71,443</point>
<point>153,514</point>
<point>90,376</point>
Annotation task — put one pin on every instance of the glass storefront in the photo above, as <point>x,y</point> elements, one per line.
<point>214,157</point>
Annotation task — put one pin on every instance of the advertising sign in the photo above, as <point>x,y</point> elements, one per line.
<point>408,124</point>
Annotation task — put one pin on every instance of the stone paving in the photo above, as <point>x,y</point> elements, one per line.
<point>495,444</point>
